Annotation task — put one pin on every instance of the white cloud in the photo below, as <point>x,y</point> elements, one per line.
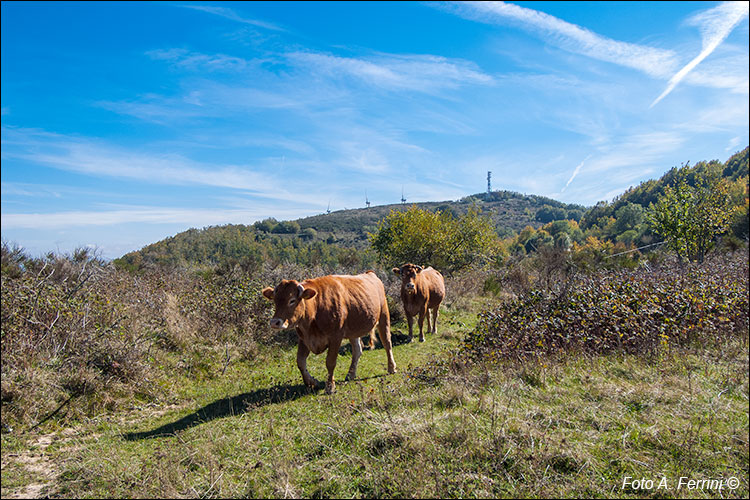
<point>715,25</point>
<point>733,143</point>
<point>102,160</point>
<point>423,73</point>
<point>232,15</point>
<point>196,61</point>
<point>652,61</point>
<point>140,214</point>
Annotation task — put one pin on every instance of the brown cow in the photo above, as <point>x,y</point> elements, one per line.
<point>422,290</point>
<point>326,310</point>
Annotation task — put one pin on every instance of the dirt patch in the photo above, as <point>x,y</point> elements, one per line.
<point>38,466</point>
<point>43,472</point>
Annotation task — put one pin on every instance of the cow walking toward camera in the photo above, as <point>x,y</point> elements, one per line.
<point>422,291</point>
<point>327,310</point>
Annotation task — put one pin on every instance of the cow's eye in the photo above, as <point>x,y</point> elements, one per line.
<point>292,302</point>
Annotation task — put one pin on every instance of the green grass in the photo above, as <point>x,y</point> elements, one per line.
<point>570,427</point>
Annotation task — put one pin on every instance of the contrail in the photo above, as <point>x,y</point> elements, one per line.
<point>716,24</point>
<point>575,172</point>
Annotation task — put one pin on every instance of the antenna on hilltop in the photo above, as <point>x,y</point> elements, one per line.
<point>328,210</point>
<point>367,200</point>
<point>403,200</point>
<point>489,186</point>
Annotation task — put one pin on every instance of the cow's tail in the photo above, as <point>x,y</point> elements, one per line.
<point>372,339</point>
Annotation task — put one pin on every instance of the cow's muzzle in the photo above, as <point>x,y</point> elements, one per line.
<point>410,287</point>
<point>278,323</point>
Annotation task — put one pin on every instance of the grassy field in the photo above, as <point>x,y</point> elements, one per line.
<point>244,426</point>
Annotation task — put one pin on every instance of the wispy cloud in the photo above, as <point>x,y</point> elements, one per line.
<point>232,15</point>
<point>715,25</point>
<point>101,160</point>
<point>196,61</point>
<point>734,142</point>
<point>140,214</point>
<point>422,73</point>
<point>652,61</point>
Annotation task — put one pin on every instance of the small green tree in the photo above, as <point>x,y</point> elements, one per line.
<point>435,238</point>
<point>689,218</point>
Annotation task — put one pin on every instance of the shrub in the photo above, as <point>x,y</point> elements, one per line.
<point>626,310</point>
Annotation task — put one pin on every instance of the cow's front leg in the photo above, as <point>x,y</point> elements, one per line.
<point>356,353</point>
<point>410,321</point>
<point>333,352</point>
<point>302,353</point>
<point>421,323</point>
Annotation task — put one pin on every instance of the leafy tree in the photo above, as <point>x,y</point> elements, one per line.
<point>286,227</point>
<point>435,238</point>
<point>689,218</point>
<point>266,225</point>
<point>548,214</point>
<point>628,217</point>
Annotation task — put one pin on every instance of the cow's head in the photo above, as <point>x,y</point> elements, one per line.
<point>408,273</point>
<point>287,296</point>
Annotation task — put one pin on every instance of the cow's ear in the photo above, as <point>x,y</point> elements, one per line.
<point>268,293</point>
<point>419,269</point>
<point>397,270</point>
<point>308,293</point>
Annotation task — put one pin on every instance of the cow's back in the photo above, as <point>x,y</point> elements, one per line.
<point>351,304</point>
<point>433,280</point>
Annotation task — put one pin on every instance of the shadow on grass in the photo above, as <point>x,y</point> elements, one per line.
<point>236,405</point>
<point>397,338</point>
<point>228,407</point>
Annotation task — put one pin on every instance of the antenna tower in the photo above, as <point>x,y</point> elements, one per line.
<point>489,185</point>
<point>328,210</point>
<point>403,200</point>
<point>367,200</point>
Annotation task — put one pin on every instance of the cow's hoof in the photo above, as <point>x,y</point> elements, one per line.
<point>421,339</point>
<point>350,377</point>
<point>330,388</point>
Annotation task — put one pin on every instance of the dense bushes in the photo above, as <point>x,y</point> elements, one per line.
<point>72,326</point>
<point>621,310</point>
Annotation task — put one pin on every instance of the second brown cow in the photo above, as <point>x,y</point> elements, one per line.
<point>422,291</point>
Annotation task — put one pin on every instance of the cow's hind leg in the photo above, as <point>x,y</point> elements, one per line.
<point>434,318</point>
<point>333,353</point>
<point>356,353</point>
<point>384,330</point>
<point>422,314</point>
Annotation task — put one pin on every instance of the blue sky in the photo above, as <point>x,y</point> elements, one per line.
<point>125,123</point>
